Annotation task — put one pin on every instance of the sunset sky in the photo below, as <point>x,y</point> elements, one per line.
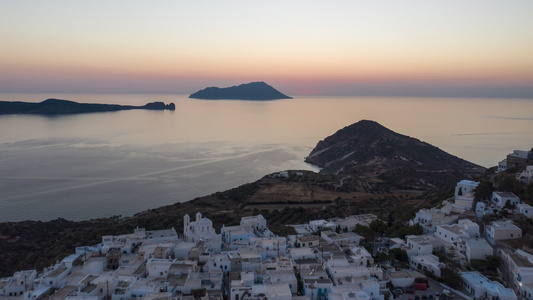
<point>383,48</point>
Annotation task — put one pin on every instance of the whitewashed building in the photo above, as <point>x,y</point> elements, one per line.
<point>526,175</point>
<point>201,230</point>
<point>429,219</point>
<point>317,225</point>
<point>464,193</point>
<point>502,165</point>
<point>477,248</point>
<point>480,287</point>
<point>501,198</point>
<point>502,230</point>
<point>519,264</point>
<point>427,262</point>
<point>525,209</point>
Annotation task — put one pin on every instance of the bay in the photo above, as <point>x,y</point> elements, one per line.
<point>120,163</point>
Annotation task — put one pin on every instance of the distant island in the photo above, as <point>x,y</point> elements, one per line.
<point>247,91</point>
<point>63,107</point>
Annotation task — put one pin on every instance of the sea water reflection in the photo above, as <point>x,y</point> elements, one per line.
<point>103,164</point>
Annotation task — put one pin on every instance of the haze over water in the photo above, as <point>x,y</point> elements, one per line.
<point>120,163</point>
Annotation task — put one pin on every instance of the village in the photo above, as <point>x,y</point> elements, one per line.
<point>461,249</point>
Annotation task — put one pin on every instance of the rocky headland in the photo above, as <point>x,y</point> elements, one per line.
<point>64,107</point>
<point>368,150</point>
<point>247,91</point>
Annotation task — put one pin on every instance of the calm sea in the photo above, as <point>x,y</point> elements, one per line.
<point>120,163</point>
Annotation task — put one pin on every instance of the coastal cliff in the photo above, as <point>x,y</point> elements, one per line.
<point>248,91</point>
<point>63,107</point>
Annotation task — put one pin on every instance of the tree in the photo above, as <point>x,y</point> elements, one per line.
<point>451,278</point>
<point>509,184</point>
<point>508,205</point>
<point>487,218</point>
<point>365,231</point>
<point>483,190</point>
<point>493,262</point>
<point>399,254</point>
<point>400,230</point>
<point>527,195</point>
<point>378,227</point>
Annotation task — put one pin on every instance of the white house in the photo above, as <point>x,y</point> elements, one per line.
<point>525,209</point>
<point>423,244</point>
<point>285,276</point>
<point>270,247</point>
<point>346,238</point>
<point>301,253</point>
<point>464,193</point>
<point>429,219</point>
<point>502,165</point>
<point>420,245</point>
<point>17,285</point>
<point>526,175</point>
<point>477,248</point>
<point>317,225</point>
<point>501,198</point>
<point>456,234</point>
<point>231,234</point>
<point>519,265</point>
<point>349,223</point>
<point>427,262</point>
<point>502,230</point>
<point>480,287</point>
<point>57,277</point>
<point>317,288</point>
<point>221,261</point>
<point>246,288</point>
<point>481,209</point>
<point>361,256</point>
<point>307,241</point>
<point>401,278</point>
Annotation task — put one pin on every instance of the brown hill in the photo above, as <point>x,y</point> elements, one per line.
<point>368,150</point>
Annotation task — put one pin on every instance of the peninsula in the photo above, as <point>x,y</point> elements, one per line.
<point>63,107</point>
<point>247,91</point>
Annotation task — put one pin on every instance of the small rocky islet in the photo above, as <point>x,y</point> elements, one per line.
<point>258,91</point>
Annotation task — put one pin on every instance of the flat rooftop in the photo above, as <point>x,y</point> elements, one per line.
<point>400,274</point>
<point>521,261</point>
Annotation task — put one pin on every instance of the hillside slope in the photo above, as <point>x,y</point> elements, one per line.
<point>368,149</point>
